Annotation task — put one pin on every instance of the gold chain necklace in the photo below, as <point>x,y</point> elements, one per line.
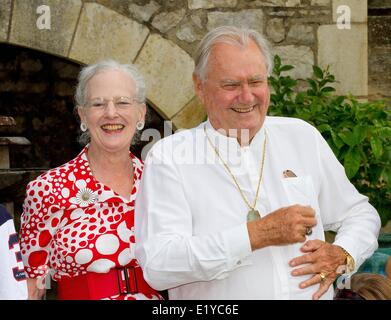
<point>252,213</point>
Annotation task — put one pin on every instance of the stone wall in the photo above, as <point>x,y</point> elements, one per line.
<point>379,39</point>
<point>160,36</point>
<point>37,91</point>
<point>302,32</point>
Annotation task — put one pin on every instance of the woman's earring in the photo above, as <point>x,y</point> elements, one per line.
<point>83,127</point>
<point>140,125</point>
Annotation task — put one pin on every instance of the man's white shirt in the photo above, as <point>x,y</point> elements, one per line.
<point>13,285</point>
<point>190,221</point>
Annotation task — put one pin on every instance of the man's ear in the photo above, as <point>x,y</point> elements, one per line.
<point>198,87</point>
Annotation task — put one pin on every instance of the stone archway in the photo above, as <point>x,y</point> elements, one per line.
<point>87,32</point>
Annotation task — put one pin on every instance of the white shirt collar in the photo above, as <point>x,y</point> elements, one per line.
<point>222,142</point>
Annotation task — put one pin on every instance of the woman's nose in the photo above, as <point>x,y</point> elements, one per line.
<point>110,108</point>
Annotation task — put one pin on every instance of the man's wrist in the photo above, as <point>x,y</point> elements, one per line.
<point>349,262</point>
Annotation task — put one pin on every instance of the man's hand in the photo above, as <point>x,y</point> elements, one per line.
<point>323,259</point>
<point>284,226</point>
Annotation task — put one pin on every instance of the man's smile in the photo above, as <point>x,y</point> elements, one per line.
<point>243,110</point>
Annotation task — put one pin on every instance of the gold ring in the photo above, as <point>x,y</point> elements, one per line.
<point>322,276</point>
<point>308,231</point>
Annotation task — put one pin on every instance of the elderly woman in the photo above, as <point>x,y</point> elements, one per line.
<point>77,222</point>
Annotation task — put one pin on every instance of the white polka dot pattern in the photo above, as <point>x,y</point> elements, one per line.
<point>72,224</point>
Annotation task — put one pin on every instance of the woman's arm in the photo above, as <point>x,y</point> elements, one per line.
<point>34,292</point>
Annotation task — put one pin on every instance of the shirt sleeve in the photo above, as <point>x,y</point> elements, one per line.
<point>344,209</point>
<point>36,232</point>
<point>12,277</point>
<point>166,248</point>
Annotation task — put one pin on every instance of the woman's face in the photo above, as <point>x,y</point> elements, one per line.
<point>111,112</point>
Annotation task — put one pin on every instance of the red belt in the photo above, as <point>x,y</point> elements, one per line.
<point>95,286</point>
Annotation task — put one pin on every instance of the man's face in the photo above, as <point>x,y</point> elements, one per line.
<point>235,92</point>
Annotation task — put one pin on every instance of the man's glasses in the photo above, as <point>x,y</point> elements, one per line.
<point>121,103</point>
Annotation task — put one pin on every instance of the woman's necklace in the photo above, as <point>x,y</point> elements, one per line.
<point>252,213</point>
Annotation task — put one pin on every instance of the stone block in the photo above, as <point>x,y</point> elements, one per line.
<point>103,33</point>
<point>251,18</point>
<point>275,29</point>
<point>322,3</point>
<point>144,12</point>
<point>168,73</point>
<point>190,116</point>
<point>346,52</point>
<point>379,68</point>
<point>358,10</point>
<point>187,33</point>
<point>166,20</point>
<point>292,3</point>
<point>267,3</point>
<point>27,25</point>
<point>379,4</point>
<point>379,30</point>
<point>5,13</point>
<point>196,18</point>
<point>301,33</point>
<point>301,57</point>
<point>207,4</point>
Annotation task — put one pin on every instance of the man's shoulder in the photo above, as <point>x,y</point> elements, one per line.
<point>4,215</point>
<point>288,125</point>
<point>276,121</point>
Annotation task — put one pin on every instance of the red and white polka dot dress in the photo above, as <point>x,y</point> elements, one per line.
<point>73,224</point>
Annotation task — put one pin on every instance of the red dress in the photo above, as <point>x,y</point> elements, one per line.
<point>73,224</point>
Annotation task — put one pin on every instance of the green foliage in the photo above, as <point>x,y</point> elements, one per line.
<point>358,132</point>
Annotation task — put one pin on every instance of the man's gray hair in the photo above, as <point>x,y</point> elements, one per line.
<point>92,70</point>
<point>231,35</point>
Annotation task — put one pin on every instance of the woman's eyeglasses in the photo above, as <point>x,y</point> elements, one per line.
<point>119,102</point>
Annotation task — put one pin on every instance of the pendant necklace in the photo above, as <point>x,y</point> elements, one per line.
<point>252,214</point>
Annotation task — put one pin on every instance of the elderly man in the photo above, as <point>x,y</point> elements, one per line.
<point>237,207</point>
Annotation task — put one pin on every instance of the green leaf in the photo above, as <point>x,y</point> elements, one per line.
<point>286,68</point>
<point>339,100</point>
<point>375,173</point>
<point>324,128</point>
<point>352,162</point>
<point>376,146</point>
<point>359,134</point>
<point>317,72</point>
<point>387,176</point>
<point>337,140</point>
<point>313,84</point>
<point>327,89</point>
<point>348,137</point>
<point>300,98</point>
<point>384,132</point>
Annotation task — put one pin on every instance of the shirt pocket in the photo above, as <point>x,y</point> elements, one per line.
<point>300,190</point>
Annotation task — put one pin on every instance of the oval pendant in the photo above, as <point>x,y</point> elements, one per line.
<point>253,215</point>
